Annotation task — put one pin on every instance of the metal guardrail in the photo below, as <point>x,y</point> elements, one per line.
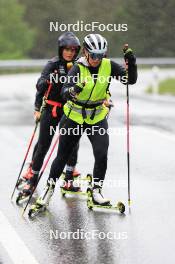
<point>12,64</point>
<point>151,61</point>
<point>38,63</point>
<point>156,61</point>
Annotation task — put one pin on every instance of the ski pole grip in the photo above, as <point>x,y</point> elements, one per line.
<point>125,48</point>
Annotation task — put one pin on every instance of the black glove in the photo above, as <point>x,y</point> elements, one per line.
<point>129,56</point>
<point>75,90</point>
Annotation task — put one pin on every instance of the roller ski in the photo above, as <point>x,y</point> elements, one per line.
<point>96,200</point>
<point>73,186</point>
<point>28,188</point>
<point>42,202</point>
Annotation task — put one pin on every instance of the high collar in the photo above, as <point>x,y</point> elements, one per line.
<point>85,63</point>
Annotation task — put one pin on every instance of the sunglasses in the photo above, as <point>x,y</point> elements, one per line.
<point>72,49</point>
<point>96,56</point>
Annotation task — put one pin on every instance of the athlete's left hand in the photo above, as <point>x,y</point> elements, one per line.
<point>129,55</point>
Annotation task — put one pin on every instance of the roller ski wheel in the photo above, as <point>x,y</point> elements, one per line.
<point>89,204</point>
<point>21,198</point>
<point>35,210</point>
<point>89,193</point>
<point>89,178</point>
<point>89,200</point>
<point>121,207</point>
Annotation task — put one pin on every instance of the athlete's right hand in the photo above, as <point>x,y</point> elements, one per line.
<point>37,115</point>
<point>75,90</point>
<point>108,103</point>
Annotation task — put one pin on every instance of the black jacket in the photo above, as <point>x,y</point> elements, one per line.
<point>55,65</point>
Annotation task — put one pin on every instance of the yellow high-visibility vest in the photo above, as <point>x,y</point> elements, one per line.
<point>92,95</point>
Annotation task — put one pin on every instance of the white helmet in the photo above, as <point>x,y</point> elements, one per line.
<point>95,44</point>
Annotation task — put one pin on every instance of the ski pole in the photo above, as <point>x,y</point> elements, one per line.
<point>128,130</point>
<point>31,140</point>
<point>128,144</point>
<point>42,171</point>
<point>26,155</point>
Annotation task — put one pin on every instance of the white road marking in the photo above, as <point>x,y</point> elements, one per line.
<point>12,243</point>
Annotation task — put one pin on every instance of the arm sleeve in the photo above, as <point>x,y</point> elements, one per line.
<point>72,79</point>
<point>38,101</point>
<point>119,72</point>
<point>42,85</point>
<point>132,73</point>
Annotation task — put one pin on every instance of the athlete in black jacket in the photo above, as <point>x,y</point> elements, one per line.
<point>49,87</point>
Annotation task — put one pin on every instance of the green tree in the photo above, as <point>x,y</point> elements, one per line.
<point>40,13</point>
<point>16,37</point>
<point>150,26</point>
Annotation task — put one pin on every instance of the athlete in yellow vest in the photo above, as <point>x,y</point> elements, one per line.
<point>86,90</point>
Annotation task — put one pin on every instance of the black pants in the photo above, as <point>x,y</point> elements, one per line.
<point>48,125</point>
<point>67,142</point>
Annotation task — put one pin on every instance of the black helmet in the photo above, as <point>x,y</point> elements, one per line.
<point>68,39</point>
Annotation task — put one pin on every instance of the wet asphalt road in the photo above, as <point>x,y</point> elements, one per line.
<point>146,234</point>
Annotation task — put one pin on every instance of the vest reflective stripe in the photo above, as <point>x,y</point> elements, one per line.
<point>88,111</point>
<point>91,94</point>
<point>90,102</point>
